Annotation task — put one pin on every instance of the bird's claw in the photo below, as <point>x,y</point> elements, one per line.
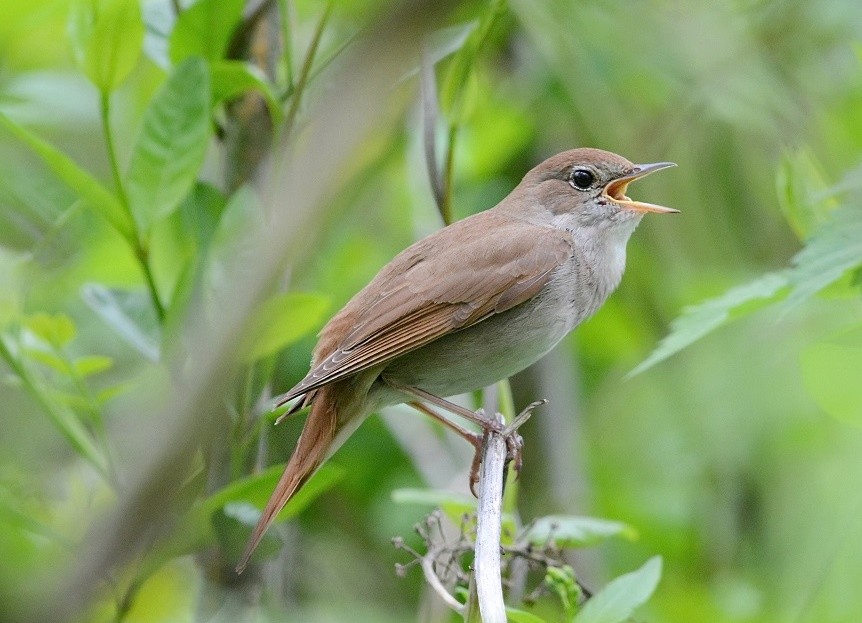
<point>514,441</point>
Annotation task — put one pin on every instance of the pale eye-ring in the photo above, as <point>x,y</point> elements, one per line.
<point>582,179</point>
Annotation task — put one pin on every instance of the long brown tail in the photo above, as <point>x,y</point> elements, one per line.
<point>311,450</point>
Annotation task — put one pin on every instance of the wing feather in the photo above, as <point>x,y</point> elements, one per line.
<point>441,284</point>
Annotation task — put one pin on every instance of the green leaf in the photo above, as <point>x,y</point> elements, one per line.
<point>35,203</point>
<point>57,330</point>
<point>575,531</point>
<point>110,393</point>
<point>830,371</point>
<point>84,184</point>
<point>255,491</point>
<point>92,364</point>
<point>231,526</point>
<point>616,602</point>
<point>63,418</point>
<point>171,147</point>
<point>455,505</point>
<point>205,29</point>
<point>200,213</point>
<point>800,185</point>
<point>520,616</point>
<point>107,38</point>
<point>281,321</point>
<point>239,229</point>
<point>698,320</point>
<point>13,517</point>
<point>833,250</point>
<point>461,70</point>
<point>128,313</point>
<point>445,42</point>
<point>561,581</point>
<point>449,40</point>
<point>233,78</point>
<point>47,359</point>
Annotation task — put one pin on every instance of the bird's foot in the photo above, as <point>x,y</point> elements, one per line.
<point>514,441</point>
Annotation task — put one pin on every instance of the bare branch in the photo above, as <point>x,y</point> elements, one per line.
<point>489,580</point>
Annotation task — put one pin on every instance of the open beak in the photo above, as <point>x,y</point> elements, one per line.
<point>616,190</point>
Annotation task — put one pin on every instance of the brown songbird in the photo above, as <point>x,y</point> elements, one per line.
<point>469,305</point>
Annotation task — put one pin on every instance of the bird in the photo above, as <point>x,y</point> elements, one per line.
<point>473,303</point>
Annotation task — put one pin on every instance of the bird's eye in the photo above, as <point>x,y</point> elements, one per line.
<point>582,179</point>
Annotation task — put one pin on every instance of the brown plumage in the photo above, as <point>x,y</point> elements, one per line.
<point>469,305</point>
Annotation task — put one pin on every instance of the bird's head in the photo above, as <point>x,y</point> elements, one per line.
<point>586,189</point>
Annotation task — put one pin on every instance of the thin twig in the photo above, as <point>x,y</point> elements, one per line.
<point>427,564</point>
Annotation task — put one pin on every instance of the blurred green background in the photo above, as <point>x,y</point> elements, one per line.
<point>737,460</point>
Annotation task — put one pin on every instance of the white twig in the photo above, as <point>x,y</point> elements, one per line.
<point>437,586</point>
<point>489,581</point>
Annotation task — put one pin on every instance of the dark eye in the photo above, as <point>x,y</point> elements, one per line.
<point>582,179</point>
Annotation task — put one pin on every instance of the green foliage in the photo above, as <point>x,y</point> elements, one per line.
<point>128,313</point>
<point>169,151</point>
<point>568,531</point>
<point>736,460</point>
<point>85,185</point>
<point>107,38</point>
<point>453,504</point>
<point>37,354</point>
<point>801,187</point>
<point>204,29</point>
<point>830,369</point>
<point>281,321</point>
<point>242,501</point>
<point>616,601</point>
<point>520,616</point>
<point>231,79</point>
<point>833,250</point>
<point>560,582</point>
<point>699,320</point>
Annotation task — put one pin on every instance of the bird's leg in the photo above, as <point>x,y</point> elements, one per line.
<point>477,417</point>
<point>514,442</point>
<point>477,441</point>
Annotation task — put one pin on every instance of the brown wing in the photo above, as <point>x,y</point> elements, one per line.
<point>441,284</point>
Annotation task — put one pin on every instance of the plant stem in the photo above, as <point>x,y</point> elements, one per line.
<point>304,73</point>
<point>446,205</point>
<point>105,110</point>
<point>140,249</point>
<point>287,43</point>
<point>143,256</point>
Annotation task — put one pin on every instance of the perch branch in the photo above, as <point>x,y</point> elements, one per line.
<point>499,449</point>
<point>489,580</point>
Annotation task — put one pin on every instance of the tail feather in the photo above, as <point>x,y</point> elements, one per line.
<point>312,449</point>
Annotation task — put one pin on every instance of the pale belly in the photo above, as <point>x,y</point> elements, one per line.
<point>483,354</point>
